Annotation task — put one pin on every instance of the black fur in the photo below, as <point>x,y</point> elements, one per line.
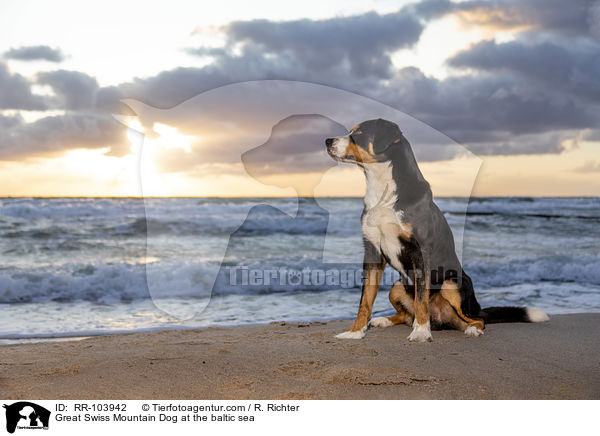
<point>430,251</point>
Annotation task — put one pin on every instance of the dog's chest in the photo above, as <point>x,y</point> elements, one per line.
<point>381,223</point>
<point>380,227</point>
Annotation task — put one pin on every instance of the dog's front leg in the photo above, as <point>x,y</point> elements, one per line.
<point>373,266</point>
<point>421,324</point>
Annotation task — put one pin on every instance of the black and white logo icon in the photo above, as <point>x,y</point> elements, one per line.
<point>26,415</point>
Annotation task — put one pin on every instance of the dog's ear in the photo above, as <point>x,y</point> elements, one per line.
<point>386,133</point>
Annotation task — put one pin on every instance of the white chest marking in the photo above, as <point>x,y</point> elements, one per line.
<point>381,224</point>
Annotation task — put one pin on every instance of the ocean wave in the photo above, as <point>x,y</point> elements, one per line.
<point>584,269</point>
<point>31,208</point>
<point>98,283</point>
<point>527,215</point>
<point>254,224</point>
<point>79,219</point>
<point>121,282</point>
<point>66,250</point>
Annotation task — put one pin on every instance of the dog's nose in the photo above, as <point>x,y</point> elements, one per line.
<point>329,142</point>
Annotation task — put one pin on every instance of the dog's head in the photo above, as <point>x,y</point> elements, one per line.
<point>368,142</point>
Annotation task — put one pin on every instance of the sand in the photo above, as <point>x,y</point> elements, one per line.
<point>559,359</point>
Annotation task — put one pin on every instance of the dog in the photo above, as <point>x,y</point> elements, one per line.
<point>403,227</point>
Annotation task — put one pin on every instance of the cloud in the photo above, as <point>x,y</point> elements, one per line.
<point>77,91</point>
<point>361,42</point>
<point>493,112</point>
<point>15,92</point>
<point>525,99</point>
<point>572,67</point>
<point>86,123</point>
<point>524,96</point>
<point>172,87</point>
<point>500,112</point>
<point>35,53</point>
<point>57,134</point>
<point>7,122</point>
<point>74,90</point>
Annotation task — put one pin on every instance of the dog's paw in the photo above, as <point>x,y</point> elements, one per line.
<point>421,333</point>
<point>381,322</point>
<point>473,332</point>
<point>359,334</point>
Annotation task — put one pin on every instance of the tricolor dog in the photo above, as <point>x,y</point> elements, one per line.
<point>403,227</point>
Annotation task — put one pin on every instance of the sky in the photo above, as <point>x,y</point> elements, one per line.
<point>508,88</point>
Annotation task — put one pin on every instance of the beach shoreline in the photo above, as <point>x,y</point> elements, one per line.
<point>559,359</point>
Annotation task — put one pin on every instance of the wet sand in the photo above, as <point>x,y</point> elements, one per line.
<point>559,359</point>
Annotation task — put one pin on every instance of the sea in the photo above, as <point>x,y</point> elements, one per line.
<point>78,267</point>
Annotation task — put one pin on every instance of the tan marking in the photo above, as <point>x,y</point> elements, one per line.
<point>405,231</point>
<point>400,298</point>
<point>400,229</point>
<point>371,148</point>
<point>442,312</point>
<point>422,312</point>
<point>397,318</point>
<point>355,127</point>
<point>422,306</point>
<point>450,292</point>
<point>360,155</point>
<point>370,288</point>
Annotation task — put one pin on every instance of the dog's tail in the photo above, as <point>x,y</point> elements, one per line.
<point>493,315</point>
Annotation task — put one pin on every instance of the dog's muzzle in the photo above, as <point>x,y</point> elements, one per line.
<point>336,147</point>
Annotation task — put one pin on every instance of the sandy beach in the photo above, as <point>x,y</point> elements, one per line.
<point>559,359</point>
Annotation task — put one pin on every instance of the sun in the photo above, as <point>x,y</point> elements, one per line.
<point>171,138</point>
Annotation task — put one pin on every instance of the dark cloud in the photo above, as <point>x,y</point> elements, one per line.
<point>52,135</point>
<point>8,122</point>
<point>15,92</point>
<point>492,113</point>
<point>431,9</point>
<point>87,122</point>
<point>170,88</point>
<point>506,143</point>
<point>108,100</point>
<point>35,53</point>
<point>74,90</point>
<point>362,42</point>
<point>526,99</point>
<point>490,109</point>
<point>573,68</point>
